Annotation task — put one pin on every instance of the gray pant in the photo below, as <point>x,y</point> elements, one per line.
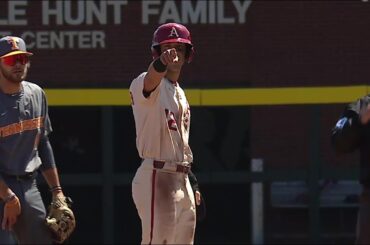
<point>30,227</point>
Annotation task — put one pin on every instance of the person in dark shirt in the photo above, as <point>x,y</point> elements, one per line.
<point>25,149</point>
<point>352,132</point>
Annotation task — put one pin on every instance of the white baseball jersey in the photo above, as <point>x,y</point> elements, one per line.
<point>162,122</point>
<point>164,201</point>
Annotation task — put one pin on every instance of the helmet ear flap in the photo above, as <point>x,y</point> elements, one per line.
<point>189,53</point>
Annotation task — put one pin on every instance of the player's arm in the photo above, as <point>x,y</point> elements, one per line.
<point>4,190</point>
<point>158,68</point>
<point>52,178</point>
<point>347,134</point>
<point>48,166</point>
<point>12,207</point>
<point>195,186</point>
<point>199,200</point>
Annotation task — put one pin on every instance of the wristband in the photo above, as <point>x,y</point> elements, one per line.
<point>55,188</point>
<point>159,66</point>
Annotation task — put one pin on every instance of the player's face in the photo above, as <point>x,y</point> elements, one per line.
<point>180,50</point>
<point>14,68</point>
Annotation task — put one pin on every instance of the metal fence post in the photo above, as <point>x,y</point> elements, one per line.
<point>257,204</point>
<point>108,187</point>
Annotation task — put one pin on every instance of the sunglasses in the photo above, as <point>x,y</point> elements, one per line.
<point>13,59</point>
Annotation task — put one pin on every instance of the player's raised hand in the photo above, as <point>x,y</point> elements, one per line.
<point>169,56</point>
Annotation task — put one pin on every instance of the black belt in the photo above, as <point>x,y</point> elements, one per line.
<point>179,168</point>
<point>26,176</point>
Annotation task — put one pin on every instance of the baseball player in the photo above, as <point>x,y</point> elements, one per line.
<point>24,149</point>
<point>161,189</point>
<point>352,132</point>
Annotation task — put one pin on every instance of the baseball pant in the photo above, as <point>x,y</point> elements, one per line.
<point>7,237</point>
<point>165,204</point>
<point>30,227</point>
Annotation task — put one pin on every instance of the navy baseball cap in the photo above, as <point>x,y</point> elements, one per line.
<point>10,45</point>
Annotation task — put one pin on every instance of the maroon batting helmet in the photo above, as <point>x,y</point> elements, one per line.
<point>172,33</point>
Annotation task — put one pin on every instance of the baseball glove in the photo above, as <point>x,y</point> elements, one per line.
<point>61,220</point>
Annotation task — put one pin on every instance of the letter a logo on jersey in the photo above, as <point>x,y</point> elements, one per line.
<point>173,33</point>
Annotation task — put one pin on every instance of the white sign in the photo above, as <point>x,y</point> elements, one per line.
<point>83,13</point>
<point>199,12</point>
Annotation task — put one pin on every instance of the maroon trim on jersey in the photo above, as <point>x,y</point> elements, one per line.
<point>170,120</point>
<point>152,207</point>
<point>173,82</point>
